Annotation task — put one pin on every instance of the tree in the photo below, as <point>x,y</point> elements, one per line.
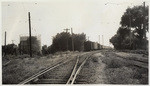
<point>135,24</point>
<point>63,42</point>
<point>35,45</point>
<point>118,39</point>
<point>79,40</point>
<point>44,50</point>
<point>10,49</point>
<point>137,18</point>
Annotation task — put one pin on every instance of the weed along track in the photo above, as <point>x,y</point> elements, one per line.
<point>61,73</point>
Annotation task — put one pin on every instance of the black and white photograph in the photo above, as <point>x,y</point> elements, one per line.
<point>75,42</point>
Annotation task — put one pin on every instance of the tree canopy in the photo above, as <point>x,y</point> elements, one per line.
<point>35,45</point>
<point>137,18</point>
<point>134,26</point>
<point>63,42</point>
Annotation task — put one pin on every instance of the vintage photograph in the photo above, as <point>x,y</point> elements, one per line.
<point>75,42</point>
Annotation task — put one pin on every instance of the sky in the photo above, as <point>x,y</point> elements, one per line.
<point>49,17</point>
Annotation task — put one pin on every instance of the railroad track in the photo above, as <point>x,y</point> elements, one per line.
<point>69,78</point>
<point>76,71</point>
<point>35,77</point>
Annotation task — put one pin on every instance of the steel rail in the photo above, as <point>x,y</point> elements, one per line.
<point>78,70</point>
<point>73,72</point>
<point>80,67</point>
<point>42,72</point>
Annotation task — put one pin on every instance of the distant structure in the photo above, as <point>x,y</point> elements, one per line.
<point>24,44</point>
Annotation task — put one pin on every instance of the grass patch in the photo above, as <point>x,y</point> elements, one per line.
<point>140,73</point>
<point>113,62</point>
<point>123,71</point>
<point>121,75</point>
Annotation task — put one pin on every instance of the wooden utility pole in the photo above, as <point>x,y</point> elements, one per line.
<point>99,42</point>
<point>99,39</point>
<point>12,41</point>
<point>102,41</point>
<point>5,38</point>
<point>5,44</point>
<point>90,43</point>
<point>91,46</point>
<point>130,26</point>
<point>30,35</point>
<point>72,40</point>
<point>144,23</point>
<point>67,38</point>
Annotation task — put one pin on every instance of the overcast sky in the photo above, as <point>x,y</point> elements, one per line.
<point>92,17</point>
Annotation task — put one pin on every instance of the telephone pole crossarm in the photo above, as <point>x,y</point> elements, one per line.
<point>66,30</point>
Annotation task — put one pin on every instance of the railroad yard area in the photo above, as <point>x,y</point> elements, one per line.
<point>98,67</point>
<point>75,42</point>
<point>17,69</point>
